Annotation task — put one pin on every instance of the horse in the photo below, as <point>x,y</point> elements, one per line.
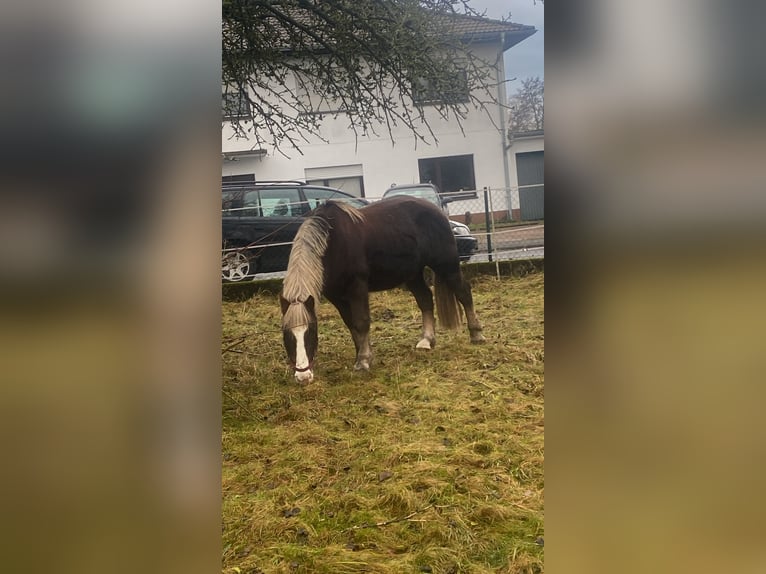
<point>344,253</point>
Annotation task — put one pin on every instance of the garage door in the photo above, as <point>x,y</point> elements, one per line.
<point>530,172</point>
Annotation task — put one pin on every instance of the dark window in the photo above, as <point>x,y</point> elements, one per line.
<point>281,202</point>
<point>231,203</point>
<point>316,197</point>
<point>451,173</point>
<point>237,180</point>
<point>236,105</point>
<point>250,205</point>
<point>451,91</point>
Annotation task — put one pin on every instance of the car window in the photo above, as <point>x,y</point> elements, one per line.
<point>250,204</point>
<point>231,203</point>
<point>356,202</point>
<point>316,197</point>
<point>280,202</point>
<point>421,192</point>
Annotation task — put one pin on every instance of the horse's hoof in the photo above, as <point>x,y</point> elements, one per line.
<point>362,366</point>
<point>478,339</point>
<point>424,344</point>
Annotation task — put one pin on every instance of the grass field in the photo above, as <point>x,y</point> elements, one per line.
<point>432,462</point>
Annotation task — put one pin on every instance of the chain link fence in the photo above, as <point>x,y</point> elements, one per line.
<point>502,229</point>
<point>507,224</point>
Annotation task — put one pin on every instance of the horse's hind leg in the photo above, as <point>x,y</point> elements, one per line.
<point>425,302</point>
<point>462,289</point>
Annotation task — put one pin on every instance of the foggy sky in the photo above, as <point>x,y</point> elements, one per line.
<point>526,59</point>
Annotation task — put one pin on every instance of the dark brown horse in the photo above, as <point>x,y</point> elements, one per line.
<point>345,253</point>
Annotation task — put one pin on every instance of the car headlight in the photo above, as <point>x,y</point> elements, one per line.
<point>460,230</point>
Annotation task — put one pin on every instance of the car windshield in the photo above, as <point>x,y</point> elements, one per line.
<point>421,192</point>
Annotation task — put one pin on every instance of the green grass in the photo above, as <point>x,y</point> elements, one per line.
<point>432,462</point>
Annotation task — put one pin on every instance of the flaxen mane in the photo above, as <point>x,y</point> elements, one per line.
<point>355,215</point>
<point>305,273</point>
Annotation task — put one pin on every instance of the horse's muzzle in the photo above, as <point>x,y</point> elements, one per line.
<point>304,374</point>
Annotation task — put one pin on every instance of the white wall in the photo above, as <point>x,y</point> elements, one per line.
<point>384,162</point>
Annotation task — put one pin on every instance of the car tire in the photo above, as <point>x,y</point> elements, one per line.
<point>236,266</point>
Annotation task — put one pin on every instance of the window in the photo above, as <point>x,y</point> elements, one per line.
<point>231,202</point>
<point>426,193</point>
<point>280,202</point>
<point>317,197</point>
<point>451,173</point>
<point>452,91</point>
<point>236,105</point>
<point>250,205</point>
<point>351,185</point>
<point>346,178</point>
<point>237,180</point>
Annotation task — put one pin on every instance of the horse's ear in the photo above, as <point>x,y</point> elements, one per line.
<point>310,303</point>
<point>284,303</point>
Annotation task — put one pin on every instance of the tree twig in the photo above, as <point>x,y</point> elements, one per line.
<point>234,344</point>
<point>240,405</point>
<point>393,520</point>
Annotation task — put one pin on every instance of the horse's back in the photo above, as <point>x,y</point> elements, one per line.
<point>412,205</point>
<point>401,236</point>
<point>406,215</point>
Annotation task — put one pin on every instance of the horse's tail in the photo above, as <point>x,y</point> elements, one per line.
<point>446,304</point>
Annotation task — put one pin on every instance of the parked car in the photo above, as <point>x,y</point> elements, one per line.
<point>467,244</point>
<point>259,223</point>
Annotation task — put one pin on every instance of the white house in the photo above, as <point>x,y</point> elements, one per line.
<point>474,158</point>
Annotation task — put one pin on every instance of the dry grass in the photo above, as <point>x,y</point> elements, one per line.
<point>432,462</point>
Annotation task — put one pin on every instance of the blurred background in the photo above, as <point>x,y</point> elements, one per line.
<point>656,208</point>
<point>109,259</point>
<point>110,408</point>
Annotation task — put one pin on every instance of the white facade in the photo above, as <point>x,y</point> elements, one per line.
<point>389,158</point>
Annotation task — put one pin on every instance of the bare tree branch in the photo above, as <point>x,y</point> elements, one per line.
<point>527,106</point>
<point>294,62</point>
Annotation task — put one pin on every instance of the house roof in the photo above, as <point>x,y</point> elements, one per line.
<point>529,134</point>
<point>467,28</point>
<point>476,28</point>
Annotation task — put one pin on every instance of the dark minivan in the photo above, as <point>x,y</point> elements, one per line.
<point>467,244</point>
<point>259,223</point>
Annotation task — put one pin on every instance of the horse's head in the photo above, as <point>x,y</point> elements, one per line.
<point>300,335</point>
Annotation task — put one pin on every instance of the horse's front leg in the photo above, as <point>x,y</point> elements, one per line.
<point>356,315</point>
<point>360,331</point>
<point>363,353</point>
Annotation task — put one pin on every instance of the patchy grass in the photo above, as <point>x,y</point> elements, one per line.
<point>432,462</point>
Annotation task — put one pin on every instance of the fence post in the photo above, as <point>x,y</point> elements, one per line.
<point>487,223</point>
<point>492,233</point>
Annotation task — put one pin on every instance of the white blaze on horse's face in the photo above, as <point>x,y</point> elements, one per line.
<point>300,336</point>
<point>303,372</point>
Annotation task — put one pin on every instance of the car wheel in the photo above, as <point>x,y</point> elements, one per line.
<point>235,266</point>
